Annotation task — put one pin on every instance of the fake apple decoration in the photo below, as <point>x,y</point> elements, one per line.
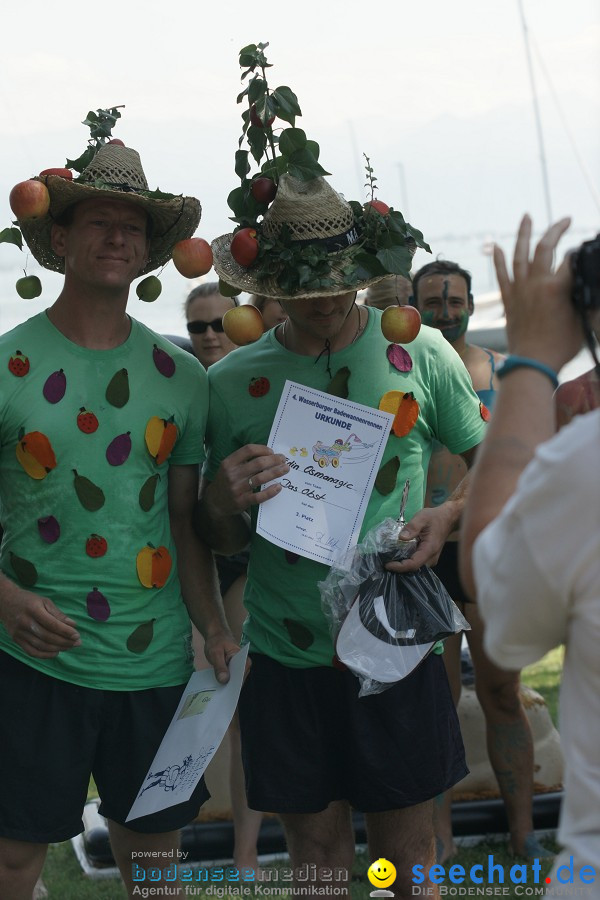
<point>149,289</point>
<point>61,173</point>
<point>29,287</point>
<point>401,324</point>
<point>263,189</point>
<point>192,257</point>
<point>243,324</point>
<point>256,120</point>
<point>228,290</point>
<point>29,199</point>
<point>379,206</point>
<point>244,246</point>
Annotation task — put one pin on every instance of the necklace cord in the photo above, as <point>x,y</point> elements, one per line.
<point>327,347</point>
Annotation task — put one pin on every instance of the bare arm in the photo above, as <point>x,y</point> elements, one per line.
<point>197,572</point>
<point>542,326</point>
<point>220,517</point>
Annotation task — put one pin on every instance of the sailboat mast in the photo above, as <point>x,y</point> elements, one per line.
<point>536,112</point>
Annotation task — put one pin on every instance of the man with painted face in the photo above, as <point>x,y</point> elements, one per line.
<point>442,294</point>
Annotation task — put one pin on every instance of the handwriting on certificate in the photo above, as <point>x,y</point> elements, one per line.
<point>333,448</point>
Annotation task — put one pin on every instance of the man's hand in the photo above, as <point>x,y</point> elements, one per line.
<point>218,649</point>
<point>235,485</point>
<point>541,322</point>
<point>431,526</point>
<point>36,624</point>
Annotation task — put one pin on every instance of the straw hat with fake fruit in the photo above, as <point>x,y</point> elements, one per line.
<point>297,237</point>
<point>107,169</point>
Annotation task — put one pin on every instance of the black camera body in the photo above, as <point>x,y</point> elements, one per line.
<point>585,266</point>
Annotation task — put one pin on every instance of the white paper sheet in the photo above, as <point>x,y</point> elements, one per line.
<point>196,730</point>
<point>334,448</point>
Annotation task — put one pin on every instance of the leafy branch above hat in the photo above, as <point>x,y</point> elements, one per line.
<point>296,236</point>
<point>101,124</point>
<point>289,152</point>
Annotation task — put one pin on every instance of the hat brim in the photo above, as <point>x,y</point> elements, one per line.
<point>366,655</point>
<point>175,218</point>
<point>249,280</point>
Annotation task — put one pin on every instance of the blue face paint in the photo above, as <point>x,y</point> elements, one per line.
<point>456,330</point>
<point>445,288</point>
<point>451,328</point>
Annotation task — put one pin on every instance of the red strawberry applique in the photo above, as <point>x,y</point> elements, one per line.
<point>87,421</point>
<point>258,387</point>
<point>96,546</point>
<point>18,364</point>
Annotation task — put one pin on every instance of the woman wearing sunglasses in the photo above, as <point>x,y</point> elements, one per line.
<point>204,310</point>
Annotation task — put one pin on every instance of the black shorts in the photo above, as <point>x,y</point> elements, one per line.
<point>54,734</point>
<point>446,570</point>
<point>308,739</point>
<point>229,569</point>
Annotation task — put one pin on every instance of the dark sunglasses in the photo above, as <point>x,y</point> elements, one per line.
<point>199,327</point>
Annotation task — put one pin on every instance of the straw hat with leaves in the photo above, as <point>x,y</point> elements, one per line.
<point>308,241</point>
<point>111,171</point>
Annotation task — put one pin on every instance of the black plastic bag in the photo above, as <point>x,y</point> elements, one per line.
<point>384,624</point>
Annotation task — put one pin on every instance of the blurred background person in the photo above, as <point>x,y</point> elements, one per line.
<point>442,294</point>
<point>395,289</point>
<point>530,536</point>
<point>581,394</point>
<point>204,309</point>
<point>270,309</point>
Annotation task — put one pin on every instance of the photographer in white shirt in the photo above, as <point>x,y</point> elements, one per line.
<point>530,538</point>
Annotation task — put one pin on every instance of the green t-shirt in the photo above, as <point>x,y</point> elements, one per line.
<point>84,491</point>
<point>282,598</point>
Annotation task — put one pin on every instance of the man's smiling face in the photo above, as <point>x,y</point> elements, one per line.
<point>105,244</point>
<point>444,303</point>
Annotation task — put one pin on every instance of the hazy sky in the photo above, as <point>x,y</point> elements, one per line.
<point>436,93</point>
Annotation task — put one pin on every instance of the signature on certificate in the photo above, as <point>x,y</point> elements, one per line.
<point>323,538</point>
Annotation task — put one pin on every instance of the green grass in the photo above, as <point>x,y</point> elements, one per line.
<point>544,677</point>
<point>65,880</point>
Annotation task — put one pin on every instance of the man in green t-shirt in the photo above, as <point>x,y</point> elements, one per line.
<point>101,434</point>
<point>312,748</point>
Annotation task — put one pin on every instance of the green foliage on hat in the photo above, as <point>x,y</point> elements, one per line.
<point>100,124</point>
<point>381,244</point>
<point>276,152</point>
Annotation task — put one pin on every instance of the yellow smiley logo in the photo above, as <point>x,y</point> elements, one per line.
<point>381,873</point>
